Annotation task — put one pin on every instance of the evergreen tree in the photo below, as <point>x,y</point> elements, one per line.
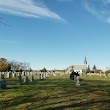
<point>44,70</point>
<point>94,67</point>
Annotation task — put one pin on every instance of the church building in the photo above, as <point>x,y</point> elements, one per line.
<point>77,68</point>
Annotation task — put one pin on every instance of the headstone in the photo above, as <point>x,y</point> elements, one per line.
<point>9,74</point>
<point>14,75</point>
<point>23,73</point>
<point>3,72</point>
<point>2,84</point>
<point>1,76</point>
<point>26,79</point>
<point>31,73</point>
<point>31,78</point>
<point>75,78</point>
<point>39,75</point>
<point>44,75</point>
<point>19,73</point>
<point>77,81</point>
<point>28,72</point>
<point>19,79</point>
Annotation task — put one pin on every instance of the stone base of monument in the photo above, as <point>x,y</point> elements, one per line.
<point>78,84</point>
<point>77,81</point>
<point>2,84</point>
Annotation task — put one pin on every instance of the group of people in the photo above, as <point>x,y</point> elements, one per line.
<point>73,74</point>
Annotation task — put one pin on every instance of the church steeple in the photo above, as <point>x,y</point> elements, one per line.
<point>85,61</point>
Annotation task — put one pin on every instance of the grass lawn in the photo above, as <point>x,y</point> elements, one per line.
<point>57,93</point>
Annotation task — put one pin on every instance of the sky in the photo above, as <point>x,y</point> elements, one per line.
<point>55,33</point>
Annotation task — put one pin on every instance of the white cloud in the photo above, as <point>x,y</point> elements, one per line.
<point>108,20</point>
<point>27,8</point>
<point>99,9</point>
<point>64,0</point>
<point>106,1</point>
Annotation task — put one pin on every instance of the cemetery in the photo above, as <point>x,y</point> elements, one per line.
<point>73,88</point>
<point>51,91</point>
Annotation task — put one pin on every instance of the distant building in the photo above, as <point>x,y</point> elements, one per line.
<point>77,68</point>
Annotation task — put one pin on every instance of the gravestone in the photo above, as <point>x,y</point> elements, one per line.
<point>9,74</point>
<point>43,75</point>
<point>77,81</point>
<point>14,75</point>
<point>31,73</point>
<point>31,78</point>
<point>23,73</point>
<point>2,84</point>
<point>19,73</point>
<point>26,79</point>
<point>75,76</point>
<point>19,79</point>
<point>1,76</point>
<point>40,75</point>
<point>46,74</point>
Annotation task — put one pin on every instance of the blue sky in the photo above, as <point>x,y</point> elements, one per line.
<point>55,33</point>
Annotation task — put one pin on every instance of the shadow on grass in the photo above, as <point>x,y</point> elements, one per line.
<point>52,94</point>
<point>80,105</point>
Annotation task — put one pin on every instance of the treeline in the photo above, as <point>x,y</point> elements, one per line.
<point>6,65</point>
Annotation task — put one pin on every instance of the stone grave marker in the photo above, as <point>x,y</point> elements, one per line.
<point>1,76</point>
<point>25,79</point>
<point>75,78</point>
<point>14,75</point>
<point>23,73</point>
<point>9,74</point>
<point>2,84</point>
<point>31,78</point>
<point>19,79</point>
<point>77,81</point>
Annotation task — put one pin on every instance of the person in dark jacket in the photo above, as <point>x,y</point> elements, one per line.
<point>72,75</point>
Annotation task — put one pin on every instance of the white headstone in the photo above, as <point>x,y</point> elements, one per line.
<point>77,81</point>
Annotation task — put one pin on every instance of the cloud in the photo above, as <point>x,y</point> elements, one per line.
<point>99,9</point>
<point>27,8</point>
<point>106,1</point>
<point>64,0</point>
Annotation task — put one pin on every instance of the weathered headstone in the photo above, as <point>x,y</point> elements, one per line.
<point>14,75</point>
<point>23,73</point>
<point>75,78</point>
<point>44,75</point>
<point>77,81</point>
<point>2,84</point>
<point>40,75</point>
<point>31,78</point>
<point>19,73</point>
<point>9,74</point>
<point>26,79</point>
<point>1,76</point>
<point>19,79</point>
